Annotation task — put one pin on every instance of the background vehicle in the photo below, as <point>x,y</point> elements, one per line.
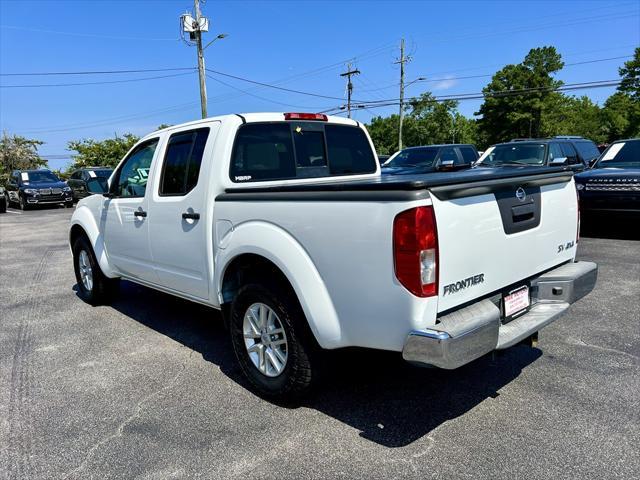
<point>431,158</point>
<point>28,188</point>
<point>576,153</point>
<point>383,158</point>
<point>88,181</point>
<point>284,222</point>
<point>3,201</point>
<point>613,184</point>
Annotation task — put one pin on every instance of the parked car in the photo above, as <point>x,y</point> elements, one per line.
<point>575,153</point>
<point>284,223</point>
<point>613,184</point>
<point>88,181</point>
<point>27,188</point>
<point>3,201</point>
<point>431,158</point>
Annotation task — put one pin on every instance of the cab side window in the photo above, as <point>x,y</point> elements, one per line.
<point>182,161</point>
<point>555,151</point>
<point>569,152</point>
<point>448,154</point>
<point>131,180</point>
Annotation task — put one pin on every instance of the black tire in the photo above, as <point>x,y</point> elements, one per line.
<point>302,366</point>
<point>22,203</point>
<point>3,205</point>
<point>103,289</point>
<point>68,204</point>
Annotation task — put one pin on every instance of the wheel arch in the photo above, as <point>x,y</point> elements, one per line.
<point>83,223</point>
<point>266,248</point>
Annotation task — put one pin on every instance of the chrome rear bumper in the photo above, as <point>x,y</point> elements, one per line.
<point>469,333</point>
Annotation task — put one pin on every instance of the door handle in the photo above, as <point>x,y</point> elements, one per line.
<point>140,213</point>
<point>191,216</point>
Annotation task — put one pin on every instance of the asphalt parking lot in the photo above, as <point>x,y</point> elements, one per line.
<point>148,387</point>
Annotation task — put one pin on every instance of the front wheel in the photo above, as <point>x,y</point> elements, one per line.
<point>93,286</point>
<point>272,341</point>
<point>68,204</point>
<point>23,203</point>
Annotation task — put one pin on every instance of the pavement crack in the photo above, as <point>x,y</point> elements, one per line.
<point>581,342</point>
<point>120,429</point>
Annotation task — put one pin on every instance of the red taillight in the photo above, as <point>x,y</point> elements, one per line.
<point>415,251</point>
<point>305,116</point>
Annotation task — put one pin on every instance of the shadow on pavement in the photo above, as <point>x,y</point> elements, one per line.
<point>611,226</point>
<point>390,402</point>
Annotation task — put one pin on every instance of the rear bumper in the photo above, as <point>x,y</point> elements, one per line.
<point>469,333</point>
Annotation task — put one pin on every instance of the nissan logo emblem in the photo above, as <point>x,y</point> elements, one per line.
<point>521,194</point>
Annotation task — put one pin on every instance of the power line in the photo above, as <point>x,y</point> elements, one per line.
<point>95,72</point>
<point>481,95</point>
<point>94,83</point>
<point>80,34</point>
<point>260,97</point>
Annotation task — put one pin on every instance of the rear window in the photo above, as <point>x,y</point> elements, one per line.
<point>587,150</point>
<point>278,151</point>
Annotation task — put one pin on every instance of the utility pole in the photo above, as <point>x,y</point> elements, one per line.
<point>402,60</point>
<point>201,70</point>
<point>348,74</point>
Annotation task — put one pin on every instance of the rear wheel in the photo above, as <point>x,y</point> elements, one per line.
<point>93,286</point>
<point>272,341</point>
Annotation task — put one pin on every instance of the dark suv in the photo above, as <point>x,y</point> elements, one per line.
<point>576,153</point>
<point>613,184</point>
<point>88,181</point>
<point>36,187</point>
<point>430,158</point>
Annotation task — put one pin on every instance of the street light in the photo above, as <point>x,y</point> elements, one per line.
<point>419,79</point>
<point>220,36</point>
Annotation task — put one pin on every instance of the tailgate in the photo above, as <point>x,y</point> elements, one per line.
<point>495,236</point>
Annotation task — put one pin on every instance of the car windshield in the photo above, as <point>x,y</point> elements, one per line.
<point>39,176</point>
<point>621,155</point>
<point>414,157</point>
<point>515,154</point>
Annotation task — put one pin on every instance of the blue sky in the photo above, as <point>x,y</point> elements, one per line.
<point>301,45</point>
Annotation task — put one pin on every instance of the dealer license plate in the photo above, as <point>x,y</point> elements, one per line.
<point>516,301</point>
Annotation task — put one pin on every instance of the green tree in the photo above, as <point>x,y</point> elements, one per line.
<point>517,96</point>
<point>101,153</point>
<point>384,134</point>
<point>567,115</point>
<point>18,153</point>
<point>430,121</point>
<point>630,74</point>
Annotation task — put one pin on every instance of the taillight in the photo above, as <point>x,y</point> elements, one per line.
<point>306,116</point>
<point>415,251</point>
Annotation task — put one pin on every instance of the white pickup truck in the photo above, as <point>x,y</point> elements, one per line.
<point>284,223</point>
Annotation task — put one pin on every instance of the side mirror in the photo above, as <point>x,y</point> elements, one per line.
<point>592,162</point>
<point>558,162</point>
<point>446,165</point>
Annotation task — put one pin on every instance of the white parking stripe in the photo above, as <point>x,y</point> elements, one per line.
<point>15,213</point>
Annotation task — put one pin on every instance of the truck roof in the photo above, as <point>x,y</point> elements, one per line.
<point>251,118</point>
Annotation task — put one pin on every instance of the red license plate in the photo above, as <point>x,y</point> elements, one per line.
<point>516,301</point>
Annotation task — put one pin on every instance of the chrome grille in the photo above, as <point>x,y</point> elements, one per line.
<point>56,191</point>
<point>45,191</point>
<point>613,187</point>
